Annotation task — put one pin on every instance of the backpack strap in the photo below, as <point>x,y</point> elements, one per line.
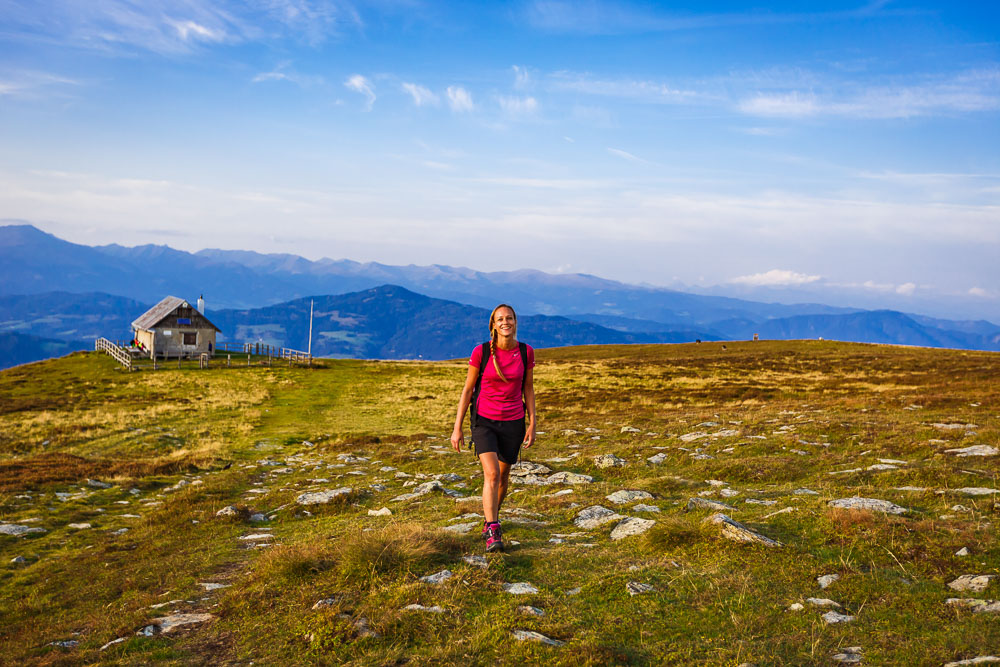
<point>483,358</point>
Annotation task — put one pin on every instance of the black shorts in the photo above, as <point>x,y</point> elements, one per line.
<point>502,437</point>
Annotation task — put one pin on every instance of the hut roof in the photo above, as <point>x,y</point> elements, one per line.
<point>157,313</point>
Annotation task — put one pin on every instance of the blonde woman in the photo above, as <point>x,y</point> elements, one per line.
<point>499,393</point>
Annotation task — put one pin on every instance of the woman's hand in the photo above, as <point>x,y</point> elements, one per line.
<point>457,439</point>
<point>529,435</point>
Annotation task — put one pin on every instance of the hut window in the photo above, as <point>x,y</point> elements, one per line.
<point>183,320</point>
<point>190,339</point>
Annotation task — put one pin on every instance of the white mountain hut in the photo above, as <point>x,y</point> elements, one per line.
<point>174,328</point>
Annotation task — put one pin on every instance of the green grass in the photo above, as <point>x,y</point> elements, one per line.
<point>714,601</point>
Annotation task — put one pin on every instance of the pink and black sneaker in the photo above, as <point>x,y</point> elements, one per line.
<point>494,538</point>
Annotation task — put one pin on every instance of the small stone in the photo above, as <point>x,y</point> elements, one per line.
<point>832,617</point>
<point>531,611</point>
<point>706,504</point>
<point>476,561</point>
<point>112,643</point>
<point>805,492</point>
<point>979,660</point>
<point>520,588</point>
<point>625,497</point>
<point>419,607</point>
<point>18,560</point>
<point>972,582</point>
<point>79,526</point>
<point>18,530</point>
<point>630,527</point>
<point>796,606</point>
<point>630,429</point>
<point>168,624</point>
<point>657,459</point>
<point>737,532</point>
<point>756,501</point>
<point>827,579</point>
<point>426,488</point>
<point>870,504</point>
<point>257,537</point>
<point>645,508</point>
<point>608,461</point>
<point>385,511</point>
<point>438,577</point>
<point>964,551</point>
<point>322,497</point>
<point>209,586</point>
<point>574,591</point>
<point>69,643</point>
<point>822,602</point>
<point>326,603</point>
<point>848,656</point>
<point>977,491</point>
<point>595,516</point>
<point>528,468</point>
<point>463,528</point>
<point>565,477</point>
<point>977,606</point>
<point>531,635</point>
<point>637,588</point>
<point>974,450</point>
<point>93,483</point>
<point>258,517</point>
<point>564,492</point>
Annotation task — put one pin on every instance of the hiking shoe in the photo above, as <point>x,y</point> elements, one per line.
<point>486,530</point>
<point>494,538</point>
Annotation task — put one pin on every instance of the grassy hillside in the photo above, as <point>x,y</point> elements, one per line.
<point>776,430</point>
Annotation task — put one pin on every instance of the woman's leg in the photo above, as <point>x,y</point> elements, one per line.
<point>504,473</point>
<point>491,485</point>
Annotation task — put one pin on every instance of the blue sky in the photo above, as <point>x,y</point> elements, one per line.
<point>846,150</point>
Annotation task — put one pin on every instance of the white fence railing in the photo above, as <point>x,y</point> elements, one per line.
<point>120,355</point>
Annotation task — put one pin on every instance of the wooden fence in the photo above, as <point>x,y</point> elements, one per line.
<point>120,355</point>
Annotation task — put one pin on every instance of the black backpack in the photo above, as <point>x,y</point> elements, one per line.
<point>485,357</point>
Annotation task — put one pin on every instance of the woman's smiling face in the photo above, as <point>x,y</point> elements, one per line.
<point>505,322</point>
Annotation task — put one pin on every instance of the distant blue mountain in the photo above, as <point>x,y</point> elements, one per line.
<point>16,348</point>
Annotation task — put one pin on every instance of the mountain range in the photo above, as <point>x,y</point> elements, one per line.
<point>53,290</point>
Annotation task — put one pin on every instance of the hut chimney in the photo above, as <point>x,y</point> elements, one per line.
<point>201,304</point>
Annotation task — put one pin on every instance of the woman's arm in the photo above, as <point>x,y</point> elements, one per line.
<point>529,400</point>
<point>457,439</point>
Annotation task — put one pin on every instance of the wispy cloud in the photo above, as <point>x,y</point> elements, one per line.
<point>775,277</point>
<point>625,155</point>
<point>32,84</point>
<point>518,106</point>
<point>360,84</point>
<point>459,99</point>
<point>284,72</point>
<point>421,96</point>
<point>627,88</point>
<point>522,77</point>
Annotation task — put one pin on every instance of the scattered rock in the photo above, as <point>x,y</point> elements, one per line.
<point>68,643</point>
<point>18,530</point>
<point>805,492</point>
<point>93,483</point>
<point>520,588</point>
<point>438,577</point>
<point>531,611</point>
<point>645,508</point>
<point>209,586</point>
<point>822,602</point>
<point>595,516</point>
<point>625,497</point>
<point>463,528</point>
<point>532,636</point>
<point>977,491</point>
<point>784,510</point>
<point>528,468</point>
<point>870,504</point>
<point>113,642</point>
<point>476,561</point>
<point>631,526</point>
<point>974,450</point>
<point>827,579</point>
<point>657,459</point>
<point>167,624</point>
<point>832,617</point>
<point>637,588</point>
<point>980,660</point>
<point>569,478</point>
<point>419,607</point>
<point>706,504</point>
<point>955,427</point>
<point>848,656</point>
<point>630,429</point>
<point>608,461</point>
<point>796,606</point>
<point>385,511</point>
<point>322,497</point>
<point>737,532</point>
<point>978,606</point>
<point>424,489</point>
<point>574,591</point>
<point>964,551</point>
<point>18,560</point>
<point>79,526</point>
<point>326,603</point>
<point>976,583</point>
<point>756,501</point>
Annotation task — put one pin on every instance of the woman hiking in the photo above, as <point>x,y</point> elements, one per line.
<point>500,390</point>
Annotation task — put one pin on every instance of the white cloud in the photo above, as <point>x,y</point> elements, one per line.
<point>283,72</point>
<point>459,99</point>
<point>647,91</point>
<point>625,155</point>
<point>27,83</point>
<point>775,277</point>
<point>518,106</point>
<point>189,30</point>
<point>421,96</point>
<point>785,104</point>
<point>362,85</point>
<point>906,289</point>
<point>978,291</point>
<point>522,77</point>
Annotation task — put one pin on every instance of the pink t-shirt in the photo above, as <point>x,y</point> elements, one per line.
<point>498,399</point>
